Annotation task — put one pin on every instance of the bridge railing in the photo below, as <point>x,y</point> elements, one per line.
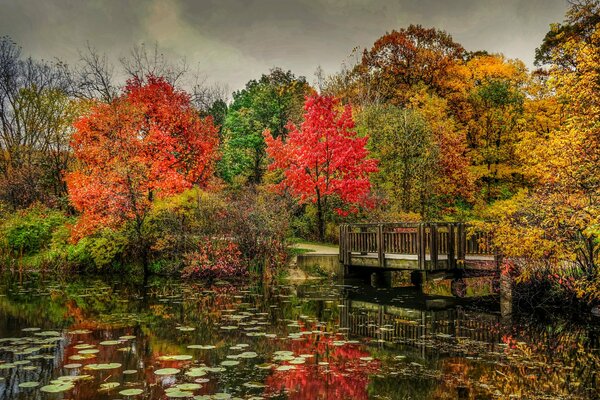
<point>429,242</point>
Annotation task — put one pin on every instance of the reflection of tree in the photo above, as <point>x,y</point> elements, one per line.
<point>344,377</point>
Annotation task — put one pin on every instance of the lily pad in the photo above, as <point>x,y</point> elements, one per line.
<point>30,384</point>
<point>196,372</point>
<point>167,371</point>
<point>106,386</point>
<point>89,351</point>
<point>178,394</point>
<point>188,386</point>
<point>103,366</point>
<point>110,343</point>
<point>185,328</point>
<point>285,368</point>
<point>177,357</point>
<point>202,346</point>
<point>57,388</point>
<point>131,392</point>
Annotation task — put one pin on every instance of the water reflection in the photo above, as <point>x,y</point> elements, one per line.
<point>94,339</point>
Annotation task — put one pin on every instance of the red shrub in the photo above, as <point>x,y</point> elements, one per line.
<point>214,259</point>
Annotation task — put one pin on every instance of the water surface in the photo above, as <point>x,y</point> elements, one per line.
<point>92,338</point>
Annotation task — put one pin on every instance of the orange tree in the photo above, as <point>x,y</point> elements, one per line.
<point>324,159</point>
<point>146,144</point>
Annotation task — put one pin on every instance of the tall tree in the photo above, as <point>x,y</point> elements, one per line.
<point>579,26</point>
<point>421,151</point>
<point>495,107</point>
<point>324,159</point>
<point>557,220</point>
<point>35,114</point>
<point>269,103</point>
<point>408,158</point>
<point>146,144</point>
<point>410,56</point>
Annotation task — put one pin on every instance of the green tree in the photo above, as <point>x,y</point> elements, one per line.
<point>404,145</point>
<point>495,106</point>
<point>269,103</point>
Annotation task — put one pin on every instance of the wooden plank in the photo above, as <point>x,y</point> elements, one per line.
<point>451,244</point>
<point>461,244</point>
<point>421,246</point>
<point>380,249</point>
<point>434,246</point>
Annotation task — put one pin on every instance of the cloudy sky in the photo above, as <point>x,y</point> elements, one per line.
<point>232,41</point>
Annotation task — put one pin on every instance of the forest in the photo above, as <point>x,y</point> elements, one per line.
<point>142,167</point>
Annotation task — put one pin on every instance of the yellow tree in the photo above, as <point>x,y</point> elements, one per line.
<point>495,106</point>
<point>559,219</point>
<point>569,167</point>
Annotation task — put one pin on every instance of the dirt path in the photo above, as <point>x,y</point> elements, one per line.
<point>318,249</point>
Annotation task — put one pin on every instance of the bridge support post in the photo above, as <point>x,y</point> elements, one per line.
<point>418,278</point>
<point>381,279</point>
<point>380,246</point>
<point>433,247</point>
<point>505,295</point>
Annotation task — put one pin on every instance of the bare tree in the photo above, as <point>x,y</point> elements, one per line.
<point>205,95</point>
<point>95,76</point>
<point>142,62</point>
<point>31,94</point>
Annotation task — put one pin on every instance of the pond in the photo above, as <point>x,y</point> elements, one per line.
<point>92,338</point>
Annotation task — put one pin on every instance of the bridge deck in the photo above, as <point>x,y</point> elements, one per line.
<point>423,246</point>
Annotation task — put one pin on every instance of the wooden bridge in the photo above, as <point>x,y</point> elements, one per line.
<point>427,248</point>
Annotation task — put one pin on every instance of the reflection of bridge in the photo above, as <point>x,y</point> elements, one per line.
<point>427,249</point>
<point>418,323</point>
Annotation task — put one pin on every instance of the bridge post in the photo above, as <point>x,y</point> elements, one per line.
<point>462,244</point>
<point>505,296</point>
<point>380,246</point>
<point>434,247</point>
<point>342,247</point>
<point>421,246</point>
<point>451,244</point>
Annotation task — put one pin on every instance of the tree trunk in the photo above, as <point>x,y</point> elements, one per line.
<point>145,263</point>
<point>320,217</point>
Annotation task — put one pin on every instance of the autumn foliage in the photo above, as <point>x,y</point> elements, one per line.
<point>324,158</point>
<point>146,144</point>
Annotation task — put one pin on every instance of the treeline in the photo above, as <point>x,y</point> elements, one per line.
<point>451,134</point>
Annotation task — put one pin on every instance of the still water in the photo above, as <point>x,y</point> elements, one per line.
<point>91,338</point>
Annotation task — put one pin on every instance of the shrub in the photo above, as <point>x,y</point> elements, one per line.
<point>214,259</point>
<point>30,231</point>
<point>107,247</point>
<point>259,223</point>
<point>175,224</point>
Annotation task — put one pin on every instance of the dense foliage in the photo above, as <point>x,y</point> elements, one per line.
<point>95,173</point>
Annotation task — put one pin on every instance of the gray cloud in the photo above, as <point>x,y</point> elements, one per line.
<point>232,41</point>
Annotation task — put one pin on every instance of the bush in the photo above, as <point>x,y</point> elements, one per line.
<point>107,247</point>
<point>259,223</point>
<point>214,259</point>
<point>176,223</point>
<point>30,231</point>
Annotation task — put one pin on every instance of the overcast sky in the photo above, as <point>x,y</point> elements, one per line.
<point>233,41</point>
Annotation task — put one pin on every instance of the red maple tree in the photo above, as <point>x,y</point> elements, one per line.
<point>323,158</point>
<point>146,144</point>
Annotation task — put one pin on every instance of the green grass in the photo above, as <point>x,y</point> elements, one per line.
<point>295,251</point>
